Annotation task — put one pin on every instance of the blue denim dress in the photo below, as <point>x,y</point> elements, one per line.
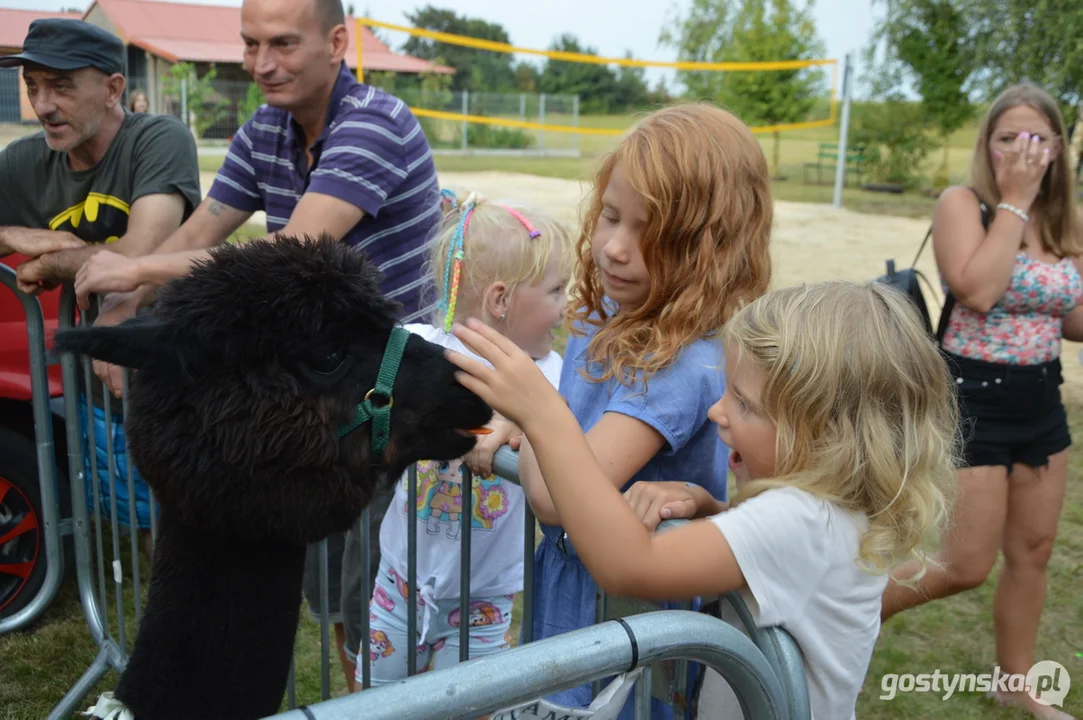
<point>675,404</point>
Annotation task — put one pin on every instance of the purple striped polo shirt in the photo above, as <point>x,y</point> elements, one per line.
<point>373,154</point>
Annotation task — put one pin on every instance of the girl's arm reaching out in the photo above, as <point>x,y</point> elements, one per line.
<point>620,446</point>
<point>618,550</point>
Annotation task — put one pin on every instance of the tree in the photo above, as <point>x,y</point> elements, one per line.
<point>932,43</point>
<point>630,89</point>
<point>595,84</point>
<point>205,106</point>
<point>1041,42</point>
<point>892,127</point>
<point>474,69</point>
<point>247,107</point>
<point>659,94</point>
<point>1011,41</point>
<point>751,31</point>
<point>527,77</point>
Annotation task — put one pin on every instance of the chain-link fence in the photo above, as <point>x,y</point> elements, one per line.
<point>471,135</point>
<point>215,109</point>
<point>10,94</point>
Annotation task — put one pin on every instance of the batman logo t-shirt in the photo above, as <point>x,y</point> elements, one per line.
<point>150,154</point>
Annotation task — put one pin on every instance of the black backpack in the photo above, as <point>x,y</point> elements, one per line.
<point>908,281</point>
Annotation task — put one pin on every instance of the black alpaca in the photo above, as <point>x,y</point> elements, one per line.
<point>244,419</point>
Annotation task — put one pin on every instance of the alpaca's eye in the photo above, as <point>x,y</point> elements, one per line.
<point>326,363</point>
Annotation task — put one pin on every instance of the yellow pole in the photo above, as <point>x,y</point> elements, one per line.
<point>357,36</point>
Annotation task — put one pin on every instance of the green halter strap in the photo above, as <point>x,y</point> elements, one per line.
<point>380,414</point>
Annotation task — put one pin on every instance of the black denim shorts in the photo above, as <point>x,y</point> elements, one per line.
<point>1010,413</point>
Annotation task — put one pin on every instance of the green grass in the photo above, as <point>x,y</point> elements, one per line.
<point>37,667</point>
<point>797,147</point>
<point>955,635</point>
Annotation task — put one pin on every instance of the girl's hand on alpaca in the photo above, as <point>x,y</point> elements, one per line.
<point>514,386</point>
<point>480,459</point>
<point>655,501</point>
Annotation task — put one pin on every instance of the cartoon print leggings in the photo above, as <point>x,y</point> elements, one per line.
<point>437,642</point>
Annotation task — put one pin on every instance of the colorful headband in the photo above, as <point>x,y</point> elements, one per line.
<point>529,228</point>
<point>453,265</point>
<point>448,201</point>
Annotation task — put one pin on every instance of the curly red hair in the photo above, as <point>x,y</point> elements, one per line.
<point>704,180</point>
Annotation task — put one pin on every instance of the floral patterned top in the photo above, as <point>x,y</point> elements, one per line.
<point>1025,326</point>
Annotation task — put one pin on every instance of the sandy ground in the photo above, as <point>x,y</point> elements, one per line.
<point>812,241</point>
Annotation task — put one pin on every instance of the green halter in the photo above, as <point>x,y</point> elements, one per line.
<point>380,415</point>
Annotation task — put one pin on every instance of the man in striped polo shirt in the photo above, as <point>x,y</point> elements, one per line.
<point>324,155</point>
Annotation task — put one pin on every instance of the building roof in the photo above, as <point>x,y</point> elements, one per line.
<point>185,32</point>
<point>15,24</point>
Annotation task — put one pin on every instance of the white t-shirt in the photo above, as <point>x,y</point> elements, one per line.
<point>799,557</point>
<point>496,546</point>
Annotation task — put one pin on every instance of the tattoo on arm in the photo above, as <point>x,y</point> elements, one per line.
<point>216,208</point>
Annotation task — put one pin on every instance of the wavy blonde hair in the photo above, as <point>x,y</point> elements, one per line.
<point>864,406</point>
<point>496,247</point>
<point>1055,204</point>
<point>704,180</point>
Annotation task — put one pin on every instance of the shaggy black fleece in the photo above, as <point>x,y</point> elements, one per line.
<point>244,370</point>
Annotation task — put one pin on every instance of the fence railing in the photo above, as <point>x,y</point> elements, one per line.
<point>762,665</point>
<point>46,458</point>
<point>522,674</point>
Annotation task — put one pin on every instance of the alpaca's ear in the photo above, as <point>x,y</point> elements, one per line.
<point>135,343</point>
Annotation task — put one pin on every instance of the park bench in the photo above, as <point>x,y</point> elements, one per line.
<point>827,159</point>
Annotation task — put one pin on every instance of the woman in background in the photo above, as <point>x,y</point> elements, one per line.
<point>1018,291</point>
<point>138,102</point>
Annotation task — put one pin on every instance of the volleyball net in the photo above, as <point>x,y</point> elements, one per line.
<point>552,124</point>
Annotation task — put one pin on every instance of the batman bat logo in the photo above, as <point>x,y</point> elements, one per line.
<point>99,218</point>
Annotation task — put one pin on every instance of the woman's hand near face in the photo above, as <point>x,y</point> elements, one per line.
<point>1020,169</point>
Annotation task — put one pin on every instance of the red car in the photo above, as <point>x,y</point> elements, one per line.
<point>22,539</point>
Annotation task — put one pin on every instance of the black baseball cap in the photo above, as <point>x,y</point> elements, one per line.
<point>69,44</point>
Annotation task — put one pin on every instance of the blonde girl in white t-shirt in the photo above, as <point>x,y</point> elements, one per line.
<point>509,265</point>
<point>841,419</point>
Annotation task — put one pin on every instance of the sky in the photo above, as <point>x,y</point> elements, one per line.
<point>608,26</point>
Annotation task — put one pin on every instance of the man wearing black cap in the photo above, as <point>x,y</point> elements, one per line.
<point>97,176</point>
<point>97,173</point>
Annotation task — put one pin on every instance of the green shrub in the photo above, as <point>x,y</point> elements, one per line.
<point>494,136</point>
<point>247,107</point>
<point>896,141</point>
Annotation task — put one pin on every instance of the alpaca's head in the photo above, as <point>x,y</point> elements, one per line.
<point>247,369</point>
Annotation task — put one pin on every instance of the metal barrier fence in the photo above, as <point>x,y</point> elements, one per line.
<point>45,453</point>
<point>525,673</point>
<point>764,667</point>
